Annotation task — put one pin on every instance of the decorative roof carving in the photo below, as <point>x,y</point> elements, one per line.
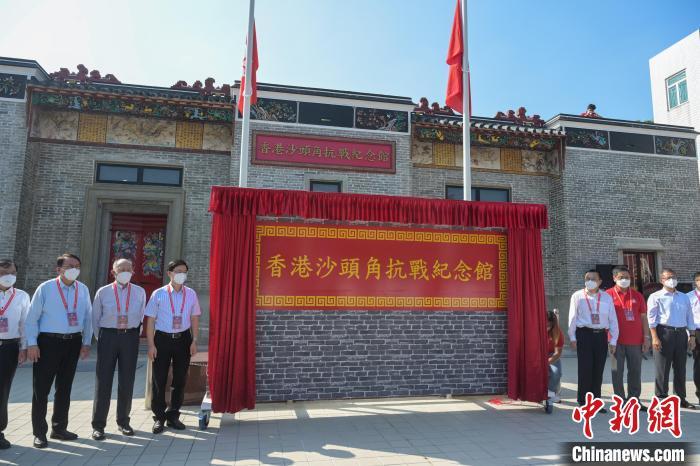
<point>520,118</point>
<point>82,76</point>
<point>433,109</point>
<point>206,89</point>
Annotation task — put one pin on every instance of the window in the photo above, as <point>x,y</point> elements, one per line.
<point>326,186</point>
<point>642,267</point>
<point>133,174</point>
<point>676,90</point>
<point>478,194</point>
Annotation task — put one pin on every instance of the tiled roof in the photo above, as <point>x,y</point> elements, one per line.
<point>483,124</point>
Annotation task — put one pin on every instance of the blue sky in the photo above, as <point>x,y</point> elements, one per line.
<point>551,56</point>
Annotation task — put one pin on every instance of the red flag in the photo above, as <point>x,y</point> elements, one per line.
<point>253,79</point>
<point>455,91</point>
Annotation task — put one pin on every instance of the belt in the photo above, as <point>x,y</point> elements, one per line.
<point>594,330</point>
<point>9,341</point>
<point>63,336</point>
<point>120,330</point>
<point>673,329</point>
<point>174,336</point>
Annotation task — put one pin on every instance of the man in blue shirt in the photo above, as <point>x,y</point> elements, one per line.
<point>671,325</point>
<point>58,331</point>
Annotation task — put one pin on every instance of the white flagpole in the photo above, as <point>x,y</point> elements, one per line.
<point>466,141</point>
<point>247,93</point>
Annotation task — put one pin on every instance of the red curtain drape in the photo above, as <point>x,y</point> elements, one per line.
<point>232,291</point>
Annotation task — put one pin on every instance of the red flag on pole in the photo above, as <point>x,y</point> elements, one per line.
<point>253,79</point>
<point>455,52</point>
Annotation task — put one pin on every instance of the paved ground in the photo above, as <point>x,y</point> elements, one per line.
<point>435,431</point>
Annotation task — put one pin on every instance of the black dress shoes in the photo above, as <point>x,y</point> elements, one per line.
<point>158,427</point>
<point>126,430</point>
<point>685,404</point>
<point>98,434</point>
<point>4,444</point>
<point>176,424</point>
<point>40,442</point>
<point>63,435</point>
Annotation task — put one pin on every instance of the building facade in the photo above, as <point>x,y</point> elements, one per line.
<point>107,169</point>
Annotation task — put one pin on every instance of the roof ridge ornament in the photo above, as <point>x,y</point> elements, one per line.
<point>206,89</point>
<point>521,118</point>
<point>64,76</point>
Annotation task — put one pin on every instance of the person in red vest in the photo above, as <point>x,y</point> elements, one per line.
<point>634,338</point>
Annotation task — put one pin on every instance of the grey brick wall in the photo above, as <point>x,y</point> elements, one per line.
<point>309,355</point>
<point>13,142</point>
<point>274,177</point>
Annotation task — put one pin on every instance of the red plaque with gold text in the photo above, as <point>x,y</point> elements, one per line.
<point>323,152</point>
<point>308,266</point>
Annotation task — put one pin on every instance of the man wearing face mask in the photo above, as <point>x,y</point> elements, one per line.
<point>591,317</point>
<point>14,305</point>
<point>59,331</point>
<point>117,313</point>
<point>172,337</point>
<point>634,339</point>
<point>672,331</point>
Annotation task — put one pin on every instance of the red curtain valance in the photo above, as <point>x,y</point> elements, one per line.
<point>374,208</point>
<point>232,271</point>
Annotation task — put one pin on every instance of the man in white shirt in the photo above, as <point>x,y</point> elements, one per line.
<point>695,306</point>
<point>671,326</point>
<point>59,331</point>
<point>14,305</point>
<point>591,316</point>
<point>172,332</point>
<point>117,313</point>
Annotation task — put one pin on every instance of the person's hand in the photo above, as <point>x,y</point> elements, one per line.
<point>22,357</point>
<point>152,352</point>
<point>611,349</point>
<point>33,353</point>
<point>573,345</point>
<point>645,346</point>
<point>84,352</point>
<point>691,343</point>
<point>656,344</point>
<point>193,348</point>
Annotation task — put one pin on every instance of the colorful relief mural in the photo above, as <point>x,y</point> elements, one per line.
<point>487,138</point>
<point>675,146</point>
<point>140,131</point>
<point>382,120</point>
<point>274,110</point>
<point>120,105</point>
<point>431,134</point>
<point>49,124</point>
<point>422,152</point>
<point>587,138</point>
<point>124,245</point>
<point>217,137</point>
<point>153,247</point>
<point>12,86</point>
<point>540,162</point>
<point>484,157</point>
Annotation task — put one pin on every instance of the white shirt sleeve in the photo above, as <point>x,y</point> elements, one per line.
<point>572,318</point>
<point>612,324</point>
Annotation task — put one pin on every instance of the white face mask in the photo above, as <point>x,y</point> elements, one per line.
<point>71,274</point>
<point>591,285</point>
<point>124,277</point>
<point>180,278</point>
<point>8,280</point>
<point>671,283</point>
<point>623,283</point>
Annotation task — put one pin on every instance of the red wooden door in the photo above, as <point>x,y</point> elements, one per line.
<point>141,239</point>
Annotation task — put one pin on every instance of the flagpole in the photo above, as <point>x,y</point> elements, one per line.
<point>247,94</point>
<point>466,114</point>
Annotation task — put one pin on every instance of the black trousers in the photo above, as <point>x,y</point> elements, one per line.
<point>592,352</point>
<point>696,364</point>
<point>674,352</point>
<point>8,365</point>
<point>115,349</point>
<point>176,351</point>
<point>58,360</point>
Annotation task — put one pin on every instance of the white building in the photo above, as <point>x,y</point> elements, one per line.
<point>675,83</point>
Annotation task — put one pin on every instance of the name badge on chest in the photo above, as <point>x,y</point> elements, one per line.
<point>177,322</point>
<point>73,319</point>
<point>4,325</point>
<point>595,319</point>
<point>629,315</point>
<point>122,321</point>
